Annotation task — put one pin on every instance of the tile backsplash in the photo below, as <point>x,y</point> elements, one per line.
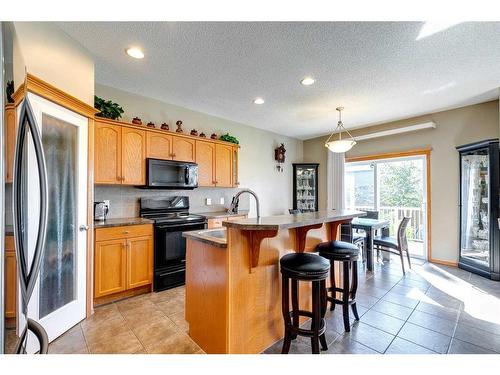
<point>124,200</point>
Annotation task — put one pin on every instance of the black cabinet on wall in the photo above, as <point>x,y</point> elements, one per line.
<point>305,187</point>
<point>479,208</point>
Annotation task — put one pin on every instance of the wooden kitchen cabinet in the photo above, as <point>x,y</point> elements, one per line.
<point>123,261</point>
<point>107,153</point>
<point>158,146</point>
<point>10,278</point>
<point>223,165</point>
<point>133,156</point>
<point>217,221</point>
<point>121,150</point>
<point>205,158</point>
<point>184,149</point>
<point>139,261</point>
<point>110,267</point>
<point>10,140</point>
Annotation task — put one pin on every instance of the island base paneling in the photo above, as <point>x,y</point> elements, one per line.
<point>232,307</point>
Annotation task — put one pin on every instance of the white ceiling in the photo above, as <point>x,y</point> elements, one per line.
<point>378,71</point>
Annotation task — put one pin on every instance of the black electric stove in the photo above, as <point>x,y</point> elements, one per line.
<point>171,217</point>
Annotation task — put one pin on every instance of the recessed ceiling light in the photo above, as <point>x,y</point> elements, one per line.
<point>135,52</point>
<point>307,81</point>
<point>258,101</point>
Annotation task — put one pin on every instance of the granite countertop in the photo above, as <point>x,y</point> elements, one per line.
<point>215,237</point>
<point>220,214</point>
<point>292,221</point>
<point>118,222</point>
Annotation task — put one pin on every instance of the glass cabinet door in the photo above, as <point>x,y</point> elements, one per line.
<point>306,188</point>
<point>475,207</point>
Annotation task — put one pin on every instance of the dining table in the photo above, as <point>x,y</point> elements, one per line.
<point>370,226</point>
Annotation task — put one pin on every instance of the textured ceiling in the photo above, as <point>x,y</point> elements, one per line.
<point>378,71</point>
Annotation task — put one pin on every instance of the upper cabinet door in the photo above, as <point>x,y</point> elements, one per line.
<point>184,149</point>
<point>10,141</point>
<point>223,165</point>
<point>107,162</point>
<point>159,146</point>
<point>205,157</point>
<point>133,156</point>
<point>236,181</point>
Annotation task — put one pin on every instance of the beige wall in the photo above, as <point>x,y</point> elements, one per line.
<point>257,168</point>
<point>51,55</point>
<point>453,128</point>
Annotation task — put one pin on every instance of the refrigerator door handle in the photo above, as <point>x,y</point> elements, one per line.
<point>28,277</point>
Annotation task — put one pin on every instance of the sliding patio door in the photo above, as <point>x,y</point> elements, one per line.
<point>396,188</point>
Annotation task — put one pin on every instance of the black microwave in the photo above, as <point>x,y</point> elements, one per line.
<point>169,174</point>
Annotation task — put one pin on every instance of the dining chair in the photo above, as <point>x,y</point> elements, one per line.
<point>359,235</point>
<point>397,245</point>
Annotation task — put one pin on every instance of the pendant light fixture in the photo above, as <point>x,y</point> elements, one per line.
<point>340,145</point>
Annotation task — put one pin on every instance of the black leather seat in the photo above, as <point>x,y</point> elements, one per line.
<point>338,250</point>
<point>304,266</point>
<point>386,241</point>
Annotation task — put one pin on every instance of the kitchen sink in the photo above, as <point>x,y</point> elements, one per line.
<point>215,233</point>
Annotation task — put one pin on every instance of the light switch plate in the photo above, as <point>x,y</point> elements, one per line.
<point>209,201</point>
<point>221,200</point>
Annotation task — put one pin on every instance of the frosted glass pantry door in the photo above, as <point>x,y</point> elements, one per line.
<point>58,301</point>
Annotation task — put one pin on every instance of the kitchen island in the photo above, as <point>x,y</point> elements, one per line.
<point>233,283</point>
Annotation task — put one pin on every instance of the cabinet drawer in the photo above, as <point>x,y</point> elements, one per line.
<point>215,223</point>
<point>234,218</point>
<point>128,231</point>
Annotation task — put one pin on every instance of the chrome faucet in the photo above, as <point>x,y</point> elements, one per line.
<point>236,200</point>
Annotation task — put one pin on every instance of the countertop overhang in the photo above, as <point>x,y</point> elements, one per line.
<point>290,221</point>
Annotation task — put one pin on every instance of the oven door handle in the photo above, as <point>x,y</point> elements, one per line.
<point>171,273</point>
<point>180,225</point>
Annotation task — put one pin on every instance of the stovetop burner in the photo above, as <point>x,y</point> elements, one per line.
<point>168,210</point>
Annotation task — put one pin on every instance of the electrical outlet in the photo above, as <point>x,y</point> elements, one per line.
<point>208,201</point>
<point>221,200</point>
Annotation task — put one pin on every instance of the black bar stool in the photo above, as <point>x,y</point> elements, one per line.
<point>347,253</point>
<point>304,267</point>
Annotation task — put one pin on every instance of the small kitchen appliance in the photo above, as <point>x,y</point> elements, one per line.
<point>101,210</point>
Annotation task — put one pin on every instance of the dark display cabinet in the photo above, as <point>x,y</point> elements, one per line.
<point>305,187</point>
<point>479,208</point>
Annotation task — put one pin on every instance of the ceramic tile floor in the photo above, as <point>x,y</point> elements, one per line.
<point>150,323</point>
<point>432,309</point>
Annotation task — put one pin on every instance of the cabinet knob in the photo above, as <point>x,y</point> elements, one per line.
<point>173,155</point>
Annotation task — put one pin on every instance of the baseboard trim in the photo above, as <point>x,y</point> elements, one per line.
<point>444,262</point>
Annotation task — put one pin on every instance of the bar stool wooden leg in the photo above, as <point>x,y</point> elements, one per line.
<point>316,316</point>
<point>354,288</point>
<point>295,306</point>
<point>332,283</point>
<point>285,305</point>
<point>345,295</point>
<point>322,338</point>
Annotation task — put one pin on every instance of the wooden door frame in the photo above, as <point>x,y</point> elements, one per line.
<point>46,90</point>
<point>426,152</point>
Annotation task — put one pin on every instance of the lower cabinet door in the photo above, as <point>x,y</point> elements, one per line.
<point>10,277</point>
<point>110,267</point>
<point>139,261</point>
